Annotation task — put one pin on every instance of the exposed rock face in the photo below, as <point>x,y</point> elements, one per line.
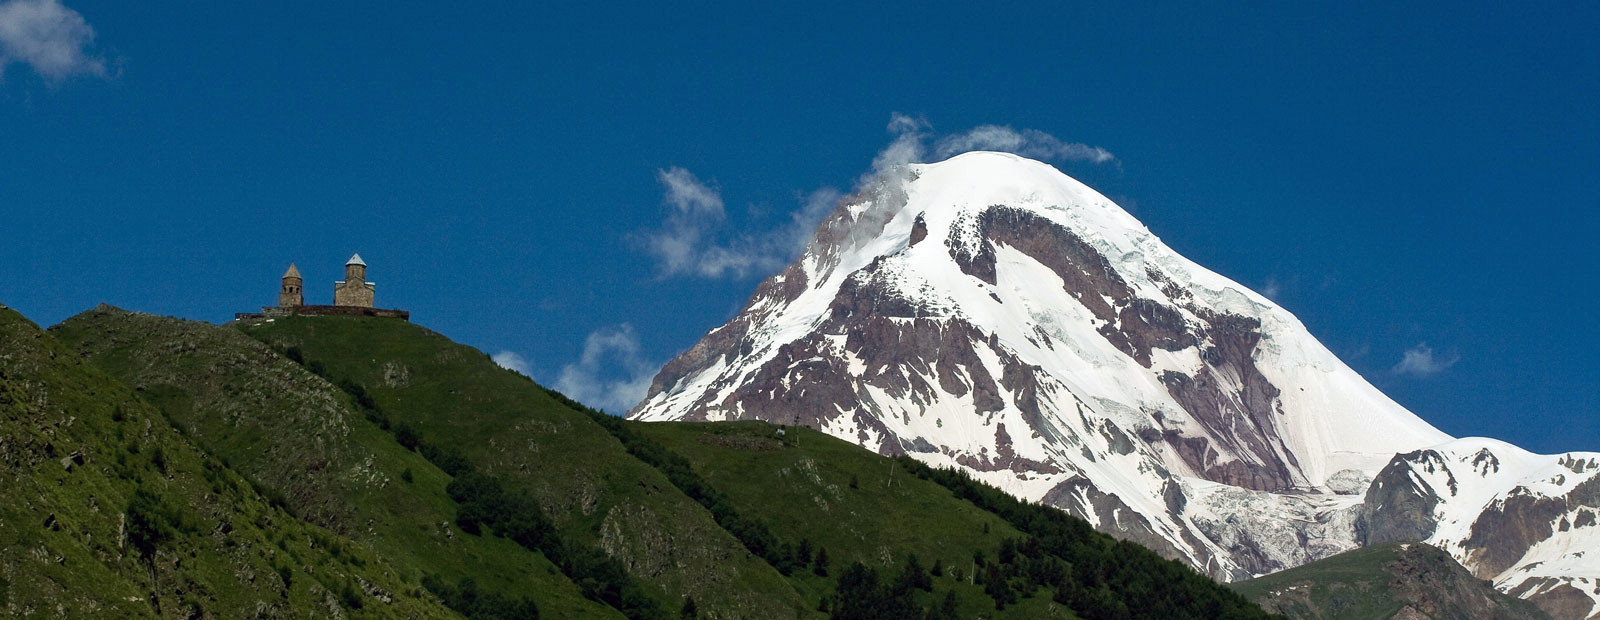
<point>1399,507</point>
<point>1504,532</point>
<point>990,313</point>
<point>1400,581</point>
<point>1527,522</point>
<point>1557,598</point>
<point>1138,326</point>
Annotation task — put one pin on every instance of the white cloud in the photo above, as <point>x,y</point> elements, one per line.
<point>1419,361</point>
<point>905,123</point>
<point>1030,143</point>
<point>510,360</point>
<point>803,223</point>
<point>686,243</point>
<point>913,134</point>
<point>611,375</point>
<point>49,37</point>
<point>694,239</point>
<point>1271,289</point>
<point>689,195</point>
<point>907,146</point>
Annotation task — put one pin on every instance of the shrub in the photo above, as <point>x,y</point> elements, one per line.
<point>151,523</point>
<point>349,596</point>
<point>406,436</point>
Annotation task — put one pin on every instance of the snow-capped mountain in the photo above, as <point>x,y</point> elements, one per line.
<point>1526,522</point>
<point>991,313</point>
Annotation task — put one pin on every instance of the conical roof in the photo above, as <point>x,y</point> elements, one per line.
<point>292,272</point>
<point>355,259</point>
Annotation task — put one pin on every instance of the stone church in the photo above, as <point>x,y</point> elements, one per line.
<point>354,290</point>
<point>352,296</point>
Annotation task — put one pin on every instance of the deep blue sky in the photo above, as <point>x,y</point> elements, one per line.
<point>1395,176</point>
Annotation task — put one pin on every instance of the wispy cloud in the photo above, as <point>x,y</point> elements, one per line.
<point>1271,289</point>
<point>691,239</point>
<point>814,206</point>
<point>915,141</point>
<point>612,374</point>
<point>1420,361</point>
<point>1030,143</point>
<point>908,146</point>
<point>49,37</point>
<point>510,360</point>
<point>695,238</point>
<point>690,195</point>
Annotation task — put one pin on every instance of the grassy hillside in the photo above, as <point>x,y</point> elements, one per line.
<point>1392,580</point>
<point>459,483</point>
<point>455,399</point>
<point>299,435</point>
<point>705,513</point>
<point>109,511</point>
<point>854,505</point>
<point>1049,565</point>
<point>862,505</point>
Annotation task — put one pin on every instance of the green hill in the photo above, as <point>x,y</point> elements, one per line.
<point>1393,580</point>
<point>414,469</point>
<point>111,512</point>
<point>456,400</point>
<point>552,448</point>
<point>823,496</point>
<point>301,436</point>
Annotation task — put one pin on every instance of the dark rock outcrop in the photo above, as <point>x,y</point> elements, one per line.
<point>1399,506</point>
<point>1505,532</point>
<point>1393,580</point>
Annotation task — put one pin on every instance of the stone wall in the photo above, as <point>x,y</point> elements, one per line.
<point>353,293</point>
<point>273,312</point>
<point>355,290</point>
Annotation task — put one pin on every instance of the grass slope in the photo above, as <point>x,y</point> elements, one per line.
<point>729,536</point>
<point>859,506</point>
<point>297,434</point>
<point>109,511</point>
<point>455,397</point>
<point>430,456</point>
<point>1393,580</point>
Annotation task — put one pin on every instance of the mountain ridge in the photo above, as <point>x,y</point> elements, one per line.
<point>990,313</point>
<point>983,553</point>
<point>110,510</point>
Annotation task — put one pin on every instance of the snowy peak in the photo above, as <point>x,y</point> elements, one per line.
<point>991,313</point>
<point>976,238</point>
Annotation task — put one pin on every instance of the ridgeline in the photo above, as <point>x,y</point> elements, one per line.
<point>354,466</point>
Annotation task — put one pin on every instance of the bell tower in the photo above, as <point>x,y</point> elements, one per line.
<point>289,294</point>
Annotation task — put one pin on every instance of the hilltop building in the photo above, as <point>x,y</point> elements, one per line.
<point>352,296</point>
<point>289,295</point>
<point>354,290</point>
